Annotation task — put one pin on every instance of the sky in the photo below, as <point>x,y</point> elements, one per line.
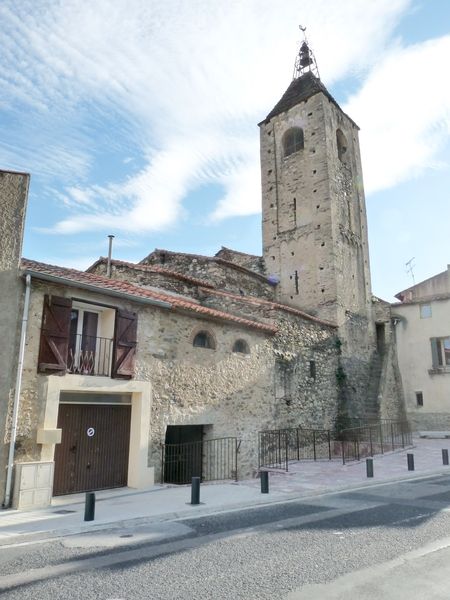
<point>138,118</point>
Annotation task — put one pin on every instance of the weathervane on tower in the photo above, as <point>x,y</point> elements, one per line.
<point>305,60</point>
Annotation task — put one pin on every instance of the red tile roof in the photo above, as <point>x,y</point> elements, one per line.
<point>105,284</point>
<point>272,305</point>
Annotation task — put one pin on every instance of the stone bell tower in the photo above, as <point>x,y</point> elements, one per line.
<point>314,217</point>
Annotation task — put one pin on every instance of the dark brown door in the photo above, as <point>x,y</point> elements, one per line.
<point>93,453</point>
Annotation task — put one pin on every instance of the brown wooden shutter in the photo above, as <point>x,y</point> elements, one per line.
<point>55,328</point>
<point>125,340</point>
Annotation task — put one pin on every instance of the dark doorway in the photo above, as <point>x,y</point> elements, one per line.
<point>93,453</point>
<point>381,337</point>
<point>183,453</point>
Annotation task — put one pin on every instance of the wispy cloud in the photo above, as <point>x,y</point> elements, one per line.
<point>178,82</point>
<point>403,109</point>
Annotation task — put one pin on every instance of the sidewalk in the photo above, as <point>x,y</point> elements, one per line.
<point>125,507</point>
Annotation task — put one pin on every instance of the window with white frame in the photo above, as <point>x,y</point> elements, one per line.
<point>90,340</point>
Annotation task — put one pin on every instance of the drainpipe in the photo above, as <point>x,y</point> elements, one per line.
<point>108,264</point>
<point>15,414</point>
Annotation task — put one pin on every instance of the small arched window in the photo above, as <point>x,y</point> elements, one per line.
<point>341,141</point>
<point>241,346</point>
<point>293,141</point>
<point>203,339</point>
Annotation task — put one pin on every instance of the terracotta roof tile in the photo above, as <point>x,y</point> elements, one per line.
<point>105,284</point>
<point>271,305</point>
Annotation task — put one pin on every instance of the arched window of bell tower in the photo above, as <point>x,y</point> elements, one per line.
<point>293,141</point>
<point>342,145</point>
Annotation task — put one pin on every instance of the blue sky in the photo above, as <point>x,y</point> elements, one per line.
<point>138,118</point>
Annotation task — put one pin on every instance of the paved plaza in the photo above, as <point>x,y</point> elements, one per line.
<point>124,506</point>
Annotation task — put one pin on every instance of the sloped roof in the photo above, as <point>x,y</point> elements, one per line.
<point>215,259</point>
<point>300,90</point>
<point>114,287</point>
<point>151,269</point>
<point>272,305</point>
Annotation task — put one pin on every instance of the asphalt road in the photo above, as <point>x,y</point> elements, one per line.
<point>389,541</point>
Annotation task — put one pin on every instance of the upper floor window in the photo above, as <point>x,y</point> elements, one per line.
<point>204,339</point>
<point>86,339</point>
<point>425,311</point>
<point>342,145</point>
<point>440,352</point>
<point>293,141</point>
<point>241,346</point>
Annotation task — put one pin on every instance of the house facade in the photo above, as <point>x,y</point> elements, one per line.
<point>110,366</point>
<point>423,339</point>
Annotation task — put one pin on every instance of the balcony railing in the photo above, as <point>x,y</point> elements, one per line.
<point>89,355</point>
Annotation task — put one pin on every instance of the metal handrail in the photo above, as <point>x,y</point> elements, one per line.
<point>89,355</point>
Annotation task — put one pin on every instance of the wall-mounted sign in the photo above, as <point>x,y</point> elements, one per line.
<point>90,431</point>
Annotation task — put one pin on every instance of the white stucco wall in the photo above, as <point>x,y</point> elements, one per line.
<point>415,361</point>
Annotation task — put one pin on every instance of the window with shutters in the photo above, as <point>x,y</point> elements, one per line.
<point>86,339</point>
<point>91,339</point>
<point>440,353</point>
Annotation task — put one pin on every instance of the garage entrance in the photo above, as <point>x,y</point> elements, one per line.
<point>93,453</point>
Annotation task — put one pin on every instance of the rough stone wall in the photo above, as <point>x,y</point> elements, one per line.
<point>215,271</point>
<point>235,394</point>
<point>13,199</point>
<point>429,422</point>
<point>147,279</point>
<point>315,232</point>
<point>248,261</point>
<point>296,209</point>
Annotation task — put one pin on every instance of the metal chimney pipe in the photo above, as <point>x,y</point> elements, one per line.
<point>108,264</point>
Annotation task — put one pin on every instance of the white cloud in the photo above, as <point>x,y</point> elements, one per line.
<point>181,80</point>
<point>403,110</point>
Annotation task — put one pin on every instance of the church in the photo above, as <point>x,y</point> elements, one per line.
<point>111,371</point>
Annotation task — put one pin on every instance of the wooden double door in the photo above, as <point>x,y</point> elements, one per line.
<point>93,453</point>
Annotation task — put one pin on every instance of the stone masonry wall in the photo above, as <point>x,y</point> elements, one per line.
<point>214,271</point>
<point>13,199</point>
<point>235,394</point>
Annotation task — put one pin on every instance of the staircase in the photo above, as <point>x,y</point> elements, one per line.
<point>371,405</point>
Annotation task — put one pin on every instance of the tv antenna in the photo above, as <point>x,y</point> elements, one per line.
<point>410,269</point>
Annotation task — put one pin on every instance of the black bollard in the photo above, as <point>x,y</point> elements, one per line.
<point>444,457</point>
<point>264,482</point>
<point>410,458</point>
<point>195,490</point>
<point>89,506</point>
<point>369,467</point>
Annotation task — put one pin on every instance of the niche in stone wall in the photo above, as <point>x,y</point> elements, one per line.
<point>342,145</point>
<point>293,141</point>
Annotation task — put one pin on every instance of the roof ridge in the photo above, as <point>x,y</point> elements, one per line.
<point>271,304</point>
<point>105,284</point>
<point>155,268</point>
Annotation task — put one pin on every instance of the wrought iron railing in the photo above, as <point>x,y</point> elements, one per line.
<point>211,460</point>
<point>89,355</point>
<point>369,440</point>
<point>280,446</point>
